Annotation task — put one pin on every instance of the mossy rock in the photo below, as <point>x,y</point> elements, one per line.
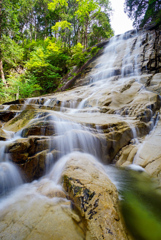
<point>21,120</point>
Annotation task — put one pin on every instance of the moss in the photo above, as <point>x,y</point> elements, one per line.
<point>20,121</point>
<point>26,115</point>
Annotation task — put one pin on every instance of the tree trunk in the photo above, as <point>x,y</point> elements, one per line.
<point>86,37</point>
<point>1,63</point>
<point>17,94</point>
<point>2,73</point>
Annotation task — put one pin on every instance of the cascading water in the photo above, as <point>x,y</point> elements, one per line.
<point>72,136</point>
<point>75,117</point>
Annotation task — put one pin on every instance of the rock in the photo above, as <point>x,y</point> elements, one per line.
<point>126,155</point>
<point>119,135</point>
<point>18,122</point>
<point>38,144</point>
<point>20,145</point>
<point>155,84</point>
<point>149,154</point>
<point>18,150</point>
<point>38,214</point>
<point>5,116</point>
<point>34,167</point>
<point>40,128</point>
<point>4,135</point>
<point>94,196</point>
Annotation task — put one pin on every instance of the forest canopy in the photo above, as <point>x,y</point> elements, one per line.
<point>144,13</point>
<point>42,40</point>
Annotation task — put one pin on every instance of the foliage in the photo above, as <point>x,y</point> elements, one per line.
<point>56,4</point>
<point>19,85</point>
<point>24,86</point>
<point>140,206</point>
<point>12,52</point>
<point>78,56</point>
<point>47,64</point>
<point>144,12</point>
<point>45,39</point>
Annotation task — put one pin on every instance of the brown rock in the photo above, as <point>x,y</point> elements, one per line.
<point>20,145</point>
<point>40,128</point>
<point>94,196</point>
<point>36,214</point>
<point>127,155</point>
<point>149,154</point>
<point>18,122</point>
<point>4,135</point>
<point>35,166</point>
<point>5,116</point>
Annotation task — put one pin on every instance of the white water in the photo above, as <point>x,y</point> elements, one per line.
<point>72,137</point>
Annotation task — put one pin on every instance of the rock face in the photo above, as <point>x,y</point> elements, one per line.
<point>95,197</point>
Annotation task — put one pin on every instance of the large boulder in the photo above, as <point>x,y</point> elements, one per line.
<point>94,197</point>
<point>40,211</point>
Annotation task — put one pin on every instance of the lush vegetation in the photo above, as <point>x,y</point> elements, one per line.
<point>41,41</point>
<point>144,13</point>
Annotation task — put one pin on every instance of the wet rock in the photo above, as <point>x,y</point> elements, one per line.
<point>18,151</point>
<point>38,144</point>
<point>40,214</point>
<point>119,136</point>
<point>155,84</point>
<point>5,116</point>
<point>18,101</point>
<point>95,197</point>
<point>126,155</point>
<point>149,154</point>
<point>4,135</point>
<point>40,128</point>
<point>20,145</point>
<point>18,122</point>
<point>34,167</point>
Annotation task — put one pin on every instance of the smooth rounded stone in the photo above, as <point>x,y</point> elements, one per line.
<point>94,196</point>
<point>149,153</point>
<point>39,211</point>
<point>18,101</point>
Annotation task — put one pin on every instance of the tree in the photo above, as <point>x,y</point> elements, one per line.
<point>41,40</point>
<point>143,12</point>
<point>80,17</point>
<point>8,26</point>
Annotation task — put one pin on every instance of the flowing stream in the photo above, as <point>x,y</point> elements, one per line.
<point>76,124</point>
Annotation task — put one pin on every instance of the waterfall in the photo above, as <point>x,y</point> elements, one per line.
<point>114,68</point>
<point>96,121</point>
